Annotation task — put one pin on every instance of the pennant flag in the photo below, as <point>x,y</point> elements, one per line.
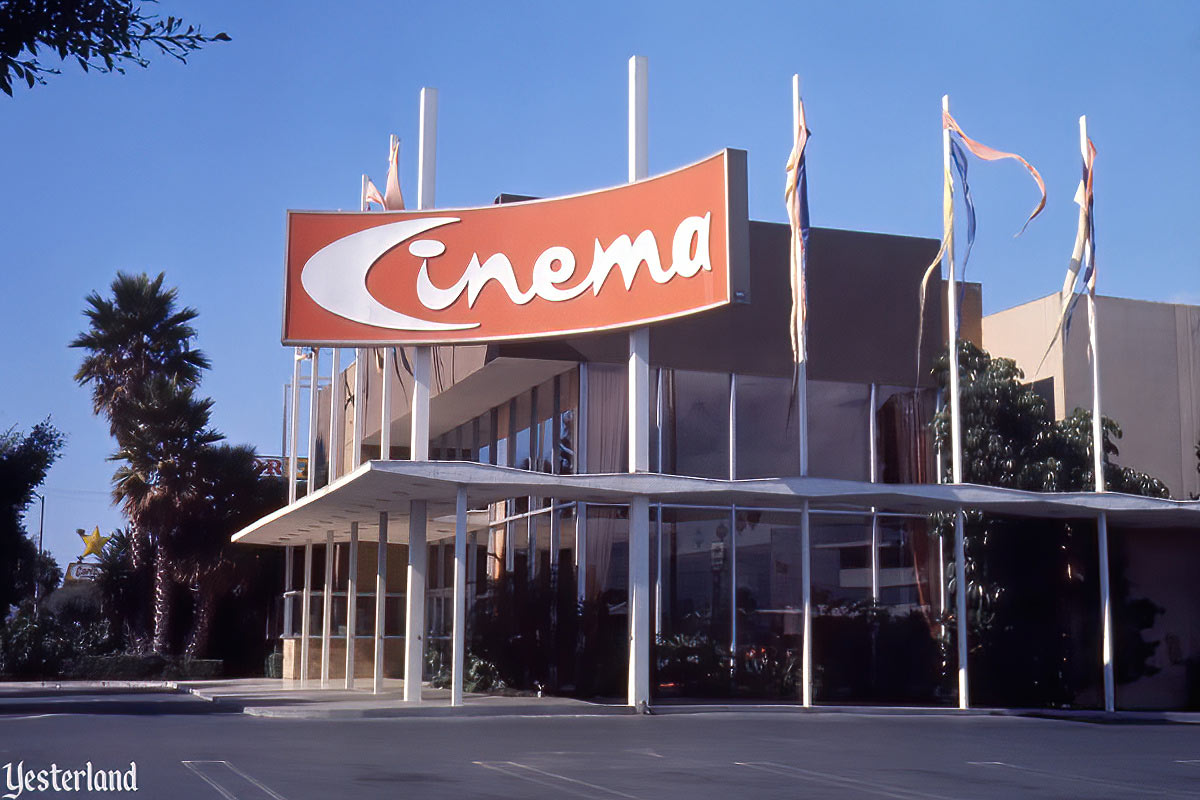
<point>393,199</point>
<point>958,140</point>
<point>991,154</point>
<point>795,196</point>
<point>373,195</point>
<point>1083,255</point>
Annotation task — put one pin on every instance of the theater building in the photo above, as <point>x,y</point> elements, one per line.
<point>626,466</point>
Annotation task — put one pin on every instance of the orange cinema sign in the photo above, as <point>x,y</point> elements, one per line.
<point>660,248</point>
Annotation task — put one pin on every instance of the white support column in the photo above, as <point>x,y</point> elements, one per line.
<point>419,433</point>
<point>806,677</point>
<point>306,615</point>
<point>289,583</point>
<point>335,415</point>
<point>380,600</point>
<point>1106,612</point>
<point>327,610</point>
<point>385,414</point>
<point>639,422</point>
<point>460,597</point>
<point>351,605</point>
<point>361,369</point>
<point>294,430</point>
<point>960,609</point>
<point>639,602</point>
<point>733,581</point>
<point>314,374</point>
<point>414,616</point>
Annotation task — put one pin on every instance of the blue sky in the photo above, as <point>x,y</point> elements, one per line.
<point>189,169</point>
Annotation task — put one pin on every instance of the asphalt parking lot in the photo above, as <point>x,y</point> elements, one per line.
<point>185,748</point>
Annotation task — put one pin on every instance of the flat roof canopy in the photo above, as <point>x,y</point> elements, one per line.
<point>391,485</point>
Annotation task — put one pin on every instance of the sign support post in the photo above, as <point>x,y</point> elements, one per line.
<point>639,424</point>
<point>414,637</point>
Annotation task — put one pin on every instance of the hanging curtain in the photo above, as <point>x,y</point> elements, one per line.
<point>608,448</point>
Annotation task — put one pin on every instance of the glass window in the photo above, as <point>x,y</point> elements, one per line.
<point>608,425</point>
<point>838,430</point>
<point>768,435</point>
<point>695,433</point>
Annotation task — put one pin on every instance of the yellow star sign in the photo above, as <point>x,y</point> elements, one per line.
<point>93,543</point>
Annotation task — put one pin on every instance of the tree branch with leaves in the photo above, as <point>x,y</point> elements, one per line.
<point>100,35</point>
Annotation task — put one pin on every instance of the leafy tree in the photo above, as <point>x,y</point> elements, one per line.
<point>227,494</point>
<point>101,35</point>
<point>24,462</point>
<point>1027,579</point>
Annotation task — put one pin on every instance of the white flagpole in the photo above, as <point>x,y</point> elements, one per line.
<point>960,559</point>
<point>1098,458</point>
<point>802,426</point>
<point>360,376</point>
<point>951,313</point>
<point>310,471</point>
<point>801,320</point>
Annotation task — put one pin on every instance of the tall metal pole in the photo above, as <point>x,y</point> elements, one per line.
<point>333,451</point>
<point>639,422</point>
<point>37,569</point>
<point>802,363</point>
<point>294,429</point>
<point>951,310</point>
<point>960,560</point>
<point>1098,462</point>
<point>311,471</point>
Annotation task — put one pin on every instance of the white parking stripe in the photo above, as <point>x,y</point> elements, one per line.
<point>210,771</point>
<point>551,779</point>
<point>841,781</point>
<point>1066,776</point>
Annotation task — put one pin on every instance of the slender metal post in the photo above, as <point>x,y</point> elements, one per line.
<point>334,450</point>
<point>351,605</point>
<point>360,403</point>
<point>289,583</point>
<point>327,610</point>
<point>419,433</point>
<point>311,471</point>
<point>951,310</point>
<point>460,596</point>
<point>385,412</point>
<point>806,676</point>
<point>294,432</point>
<point>380,600</point>
<point>639,423</point>
<point>306,615</point>
<point>1106,611</point>
<point>802,364</point>
<point>873,451</point>
<point>37,570</point>
<point>960,609</point>
<point>414,617</point>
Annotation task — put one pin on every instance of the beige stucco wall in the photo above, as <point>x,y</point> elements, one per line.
<point>1149,375</point>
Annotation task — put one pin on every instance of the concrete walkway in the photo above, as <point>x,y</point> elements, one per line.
<point>267,697</point>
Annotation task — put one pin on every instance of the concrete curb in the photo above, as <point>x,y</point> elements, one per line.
<point>433,712</point>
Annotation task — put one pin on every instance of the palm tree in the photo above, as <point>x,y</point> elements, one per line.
<point>133,336</point>
<point>158,476</point>
<point>138,352</point>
